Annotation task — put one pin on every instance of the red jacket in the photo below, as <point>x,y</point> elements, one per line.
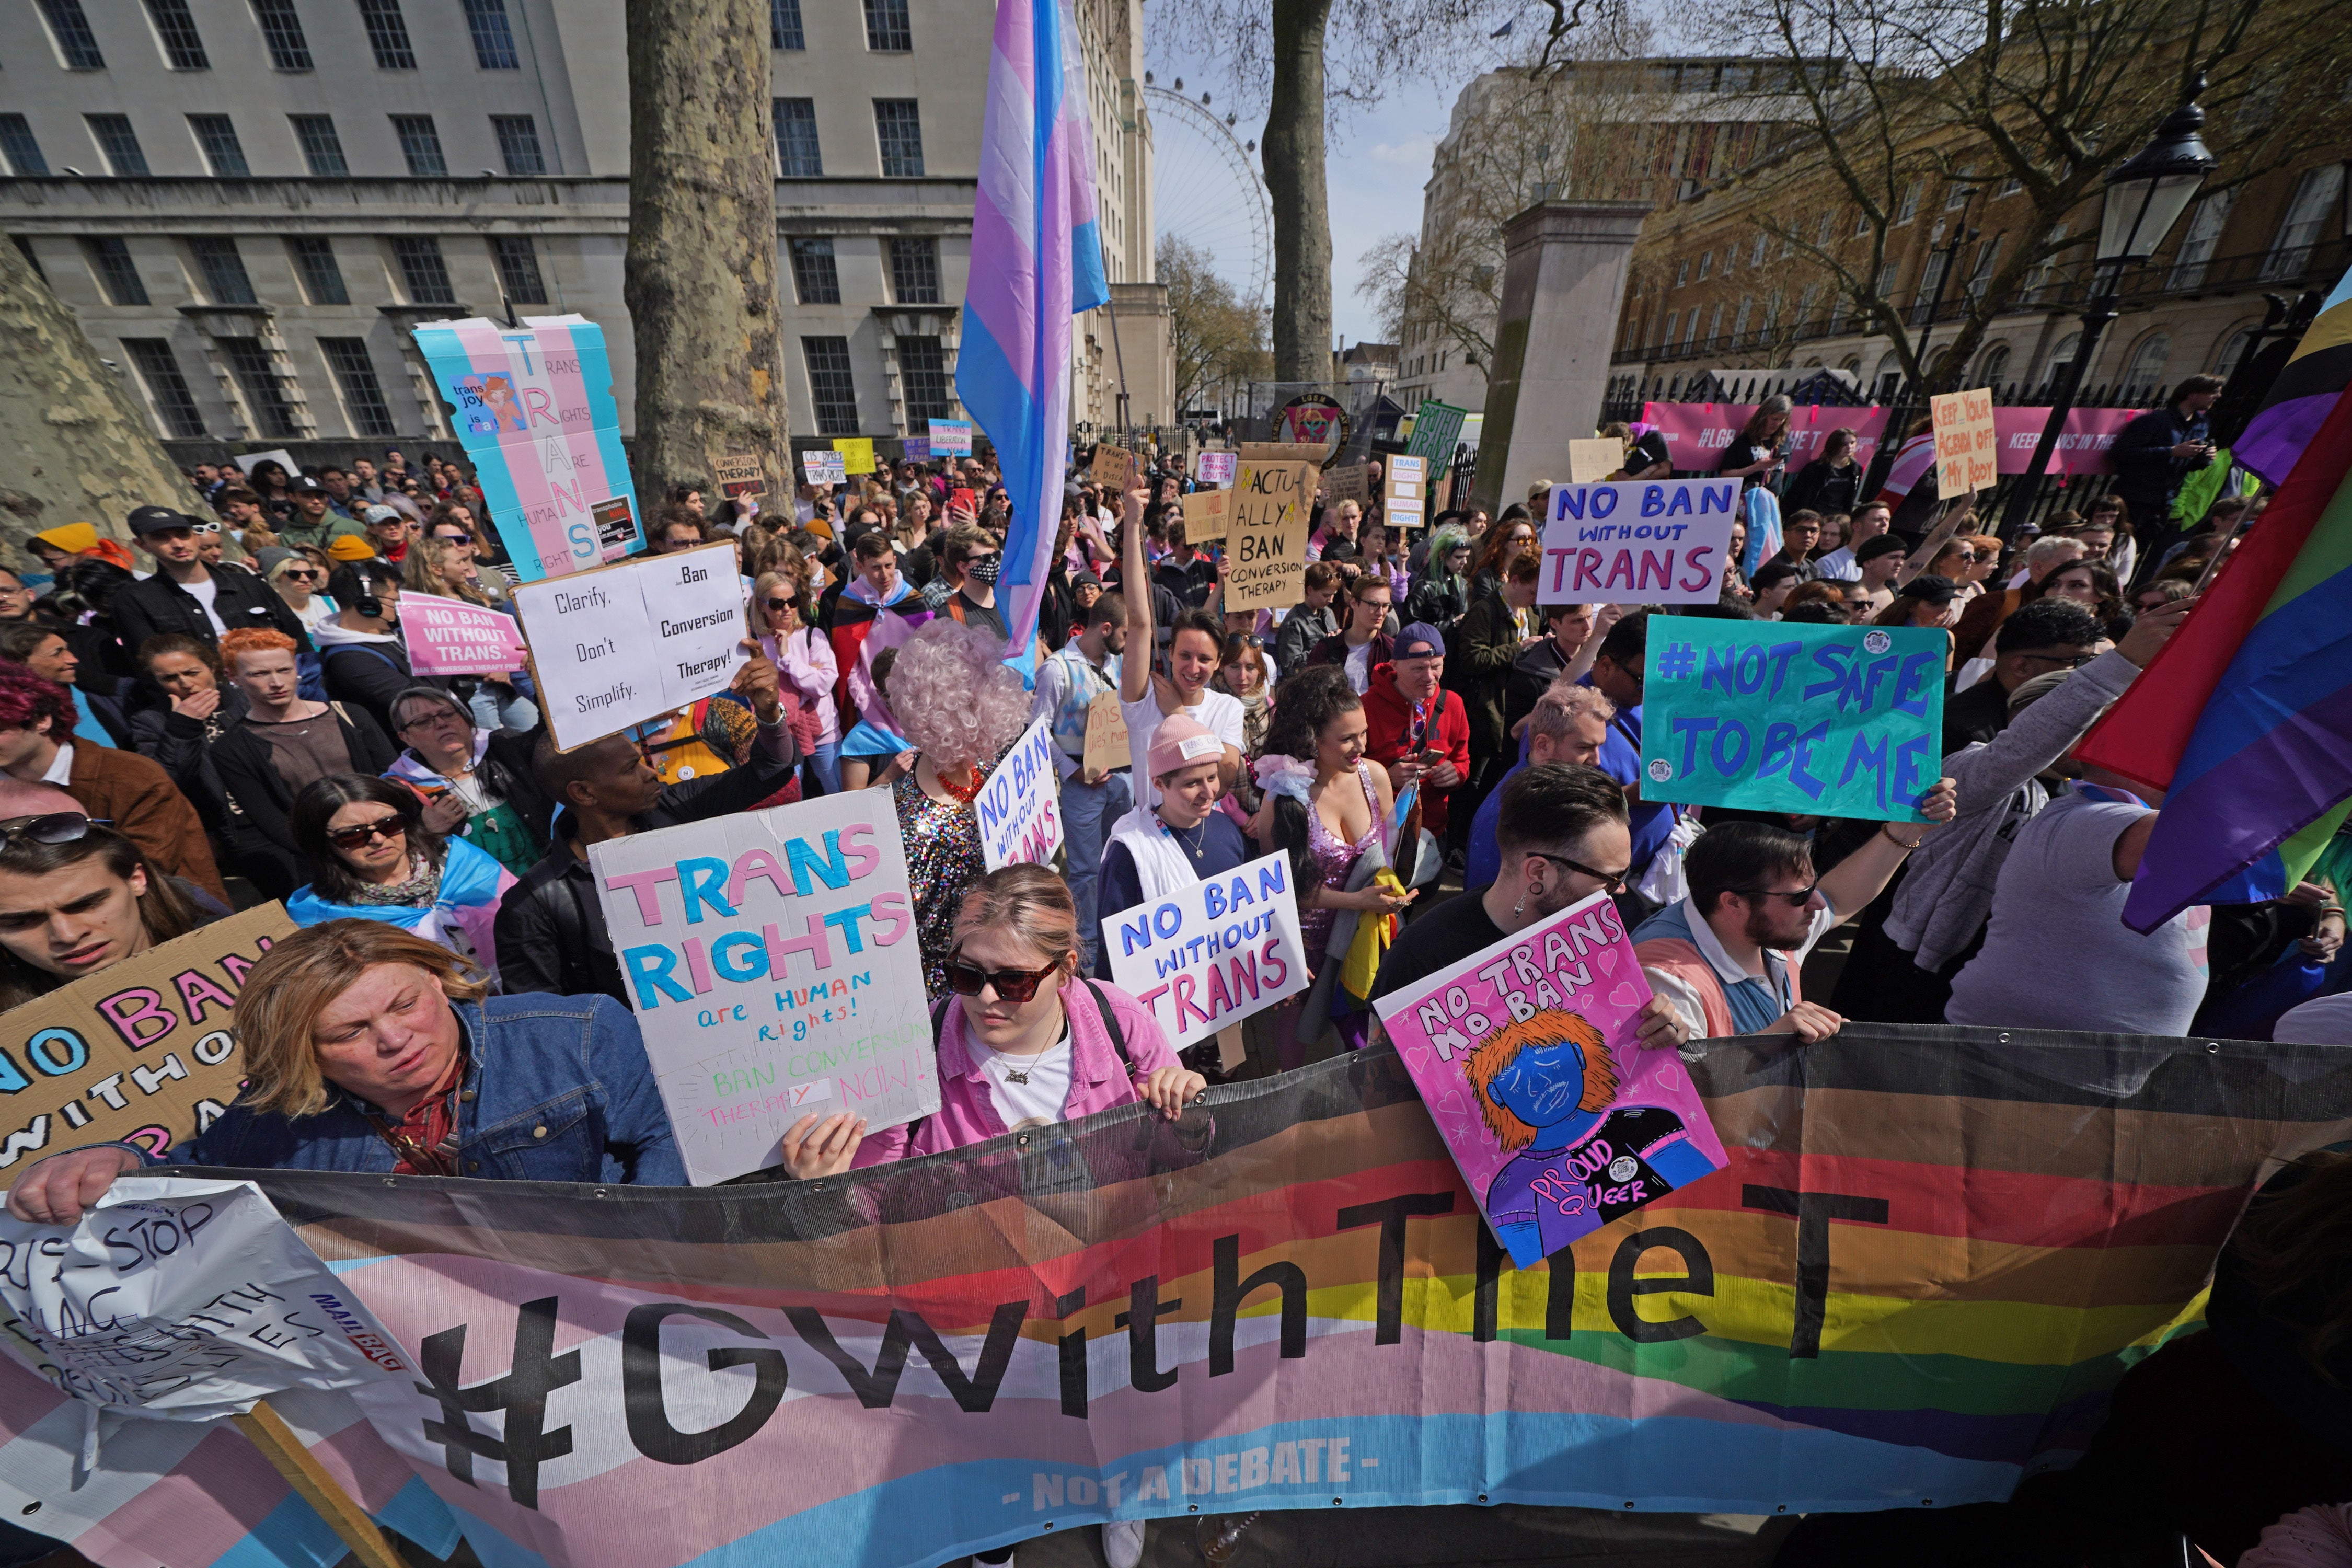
<point>1444,726</point>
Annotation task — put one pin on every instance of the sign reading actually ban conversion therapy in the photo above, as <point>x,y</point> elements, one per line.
<point>771,960</point>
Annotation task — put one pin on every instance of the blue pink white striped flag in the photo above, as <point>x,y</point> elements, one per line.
<point>1037,260</point>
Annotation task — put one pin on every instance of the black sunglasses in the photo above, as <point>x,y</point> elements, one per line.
<point>359,833</point>
<point>1797,900</point>
<point>774,604</point>
<point>1015,985</point>
<point>1612,881</point>
<point>55,828</point>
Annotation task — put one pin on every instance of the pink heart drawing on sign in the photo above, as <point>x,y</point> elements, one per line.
<point>1668,1078</point>
<point>1417,1058</point>
<point>1607,957</point>
<point>1625,995</point>
<point>1452,1104</point>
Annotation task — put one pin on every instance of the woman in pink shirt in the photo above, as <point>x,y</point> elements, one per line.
<point>803,658</point>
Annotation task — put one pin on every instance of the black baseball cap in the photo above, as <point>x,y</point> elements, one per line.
<point>157,520</point>
<point>307,485</point>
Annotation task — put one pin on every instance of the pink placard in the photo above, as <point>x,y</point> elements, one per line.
<point>1696,433</point>
<point>451,637</point>
<point>1526,1055</point>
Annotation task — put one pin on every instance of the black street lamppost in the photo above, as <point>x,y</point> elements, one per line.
<point>2145,198</point>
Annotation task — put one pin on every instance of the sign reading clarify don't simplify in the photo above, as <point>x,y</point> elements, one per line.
<point>616,647</point>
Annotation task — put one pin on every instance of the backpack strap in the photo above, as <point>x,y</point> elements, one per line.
<point>1110,1023</point>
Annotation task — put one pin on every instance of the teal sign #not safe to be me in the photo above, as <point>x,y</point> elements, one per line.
<point>1826,720</point>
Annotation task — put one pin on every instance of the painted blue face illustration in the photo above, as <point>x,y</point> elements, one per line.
<point>1541,1087</point>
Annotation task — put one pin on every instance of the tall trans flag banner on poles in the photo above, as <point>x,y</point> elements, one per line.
<point>1037,260</point>
<point>2245,717</point>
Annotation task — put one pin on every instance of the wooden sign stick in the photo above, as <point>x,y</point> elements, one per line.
<point>268,1431</point>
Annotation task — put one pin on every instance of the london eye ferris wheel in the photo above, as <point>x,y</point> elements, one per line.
<point>1205,189</point>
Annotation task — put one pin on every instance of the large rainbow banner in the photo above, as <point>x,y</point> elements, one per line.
<point>1931,1255</point>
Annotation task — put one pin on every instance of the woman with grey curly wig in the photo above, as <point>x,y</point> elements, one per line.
<point>961,708</point>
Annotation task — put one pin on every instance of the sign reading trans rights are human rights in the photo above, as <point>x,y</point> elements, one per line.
<point>1663,542</point>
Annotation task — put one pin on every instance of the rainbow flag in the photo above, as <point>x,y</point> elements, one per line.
<point>2305,388</point>
<point>2245,718</point>
<point>1932,1254</point>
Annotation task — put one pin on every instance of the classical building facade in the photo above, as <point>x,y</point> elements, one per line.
<point>250,203</point>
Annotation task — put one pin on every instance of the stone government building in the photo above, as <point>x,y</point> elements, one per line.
<point>250,203</point>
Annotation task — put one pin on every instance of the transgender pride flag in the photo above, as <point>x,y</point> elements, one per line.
<point>1037,260</point>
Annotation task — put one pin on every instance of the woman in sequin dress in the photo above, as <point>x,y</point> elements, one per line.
<point>960,707</point>
<point>1325,807</point>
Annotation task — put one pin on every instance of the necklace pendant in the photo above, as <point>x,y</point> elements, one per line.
<point>1011,1077</point>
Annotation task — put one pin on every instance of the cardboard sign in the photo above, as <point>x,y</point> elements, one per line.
<point>1207,956</point>
<point>1216,467</point>
<point>857,453</point>
<point>1592,462</point>
<point>739,474</point>
<point>1655,541</point>
<point>823,468</point>
<point>1406,503</point>
<point>1113,468</point>
<point>1020,806</point>
<point>632,642</point>
<point>1206,515</point>
<point>1107,745</point>
<point>139,1053</point>
<point>1283,452</point>
<point>1526,1055</point>
<point>616,526</point>
<point>451,637</point>
<point>1828,720</point>
<point>246,462</point>
<point>184,1298</point>
<point>951,438</point>
<point>773,962</point>
<point>535,410</point>
<point>1966,445</point>
<point>1353,482</point>
<point>1436,431</point>
<point>1265,534</point>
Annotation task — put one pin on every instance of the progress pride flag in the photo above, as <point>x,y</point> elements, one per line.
<point>451,637</point>
<point>1696,433</point>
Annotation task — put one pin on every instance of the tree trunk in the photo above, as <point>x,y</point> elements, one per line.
<point>1293,150</point>
<point>81,449</point>
<point>700,278</point>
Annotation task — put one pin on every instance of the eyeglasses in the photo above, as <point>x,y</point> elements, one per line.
<point>1015,985</point>
<point>2058,660</point>
<point>1613,881</point>
<point>1797,900</point>
<point>307,574</point>
<point>436,715</point>
<point>55,828</point>
<point>359,833</point>
<point>205,527</point>
<point>460,537</point>
<point>777,606</point>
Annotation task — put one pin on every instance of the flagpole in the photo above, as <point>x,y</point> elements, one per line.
<point>1117,358</point>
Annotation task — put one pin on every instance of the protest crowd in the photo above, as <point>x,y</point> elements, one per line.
<point>1442,749</point>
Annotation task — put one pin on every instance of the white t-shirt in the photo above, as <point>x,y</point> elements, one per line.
<point>1221,714</point>
<point>1029,1089</point>
<point>1360,669</point>
<point>205,592</point>
<point>2326,1022</point>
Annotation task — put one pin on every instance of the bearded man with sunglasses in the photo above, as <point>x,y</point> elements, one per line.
<point>1727,956</point>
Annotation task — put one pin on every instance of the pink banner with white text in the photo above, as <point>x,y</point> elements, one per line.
<point>1696,433</point>
<point>451,637</point>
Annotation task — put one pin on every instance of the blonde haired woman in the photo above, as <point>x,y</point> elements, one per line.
<point>804,662</point>
<point>958,708</point>
<point>368,1048</point>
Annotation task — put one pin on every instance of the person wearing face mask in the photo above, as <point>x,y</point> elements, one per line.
<point>971,561</point>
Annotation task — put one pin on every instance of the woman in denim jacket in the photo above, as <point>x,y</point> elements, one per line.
<point>369,1048</point>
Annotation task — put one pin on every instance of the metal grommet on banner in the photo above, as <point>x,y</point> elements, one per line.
<point>1482,1497</point>
<point>2004,1038</point>
<point>602,1193</point>
<point>390,1181</point>
<point>2213,1047</point>
<point>1049,1524</point>
<point>1195,1509</point>
<point>32,1508</point>
<point>1021,1139</point>
<point>817,1187</point>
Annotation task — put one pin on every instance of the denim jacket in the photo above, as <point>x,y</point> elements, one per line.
<point>557,1089</point>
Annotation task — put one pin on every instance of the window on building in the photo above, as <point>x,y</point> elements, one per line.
<point>322,275</point>
<point>832,386</point>
<point>387,34</point>
<point>18,147</point>
<point>256,377</point>
<point>1714,323</point>
<point>923,381</point>
<point>1931,284</point>
<point>355,378</point>
<point>116,273</point>
<point>494,45</point>
<point>888,28</point>
<point>1957,193</point>
<point>519,143</point>
<point>1756,256</point>
<point>167,389</point>
<point>118,143</point>
<point>1730,259</point>
<point>1705,264</point>
<point>1746,307</point>
<point>420,143</point>
<point>1691,335</point>
<point>2197,246</point>
<point>1910,207</point>
<point>322,150</point>
<point>175,29</point>
<point>223,153</point>
<point>518,273</point>
<point>2009,187</point>
<point>77,44</point>
<point>784,25</point>
<point>1862,222</point>
<point>2145,378</point>
<point>898,128</point>
<point>422,272</point>
<point>1840,306</point>
<point>915,272</point>
<point>814,277</point>
<point>1992,367</point>
<point>2233,352</point>
<point>1670,317</point>
<point>2060,358</point>
<point>1822,231</point>
<point>281,32</point>
<point>1884,288</point>
<point>1681,272</point>
<point>796,150</point>
<point>225,280</point>
<point>2301,229</point>
<point>2037,277</point>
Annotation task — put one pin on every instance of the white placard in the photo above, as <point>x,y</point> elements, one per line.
<point>951,438</point>
<point>1660,541</point>
<point>1216,467</point>
<point>773,962</point>
<point>1209,955</point>
<point>825,468</point>
<point>1020,806</point>
<point>1404,505</point>
<point>184,1298</point>
<point>615,647</point>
